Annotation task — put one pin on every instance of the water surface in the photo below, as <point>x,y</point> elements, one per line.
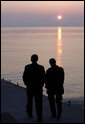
<point>65,44</point>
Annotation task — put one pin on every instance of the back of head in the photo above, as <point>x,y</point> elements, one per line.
<point>52,62</point>
<point>34,58</point>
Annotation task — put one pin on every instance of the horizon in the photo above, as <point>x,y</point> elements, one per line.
<point>42,13</point>
<point>39,26</point>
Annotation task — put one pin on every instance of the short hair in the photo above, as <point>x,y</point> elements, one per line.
<point>34,58</point>
<point>52,61</point>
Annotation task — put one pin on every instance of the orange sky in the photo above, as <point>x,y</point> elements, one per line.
<point>42,8</point>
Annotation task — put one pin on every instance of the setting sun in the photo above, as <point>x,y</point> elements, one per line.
<point>59,17</point>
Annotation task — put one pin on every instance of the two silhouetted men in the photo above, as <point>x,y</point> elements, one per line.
<point>54,86</point>
<point>34,78</point>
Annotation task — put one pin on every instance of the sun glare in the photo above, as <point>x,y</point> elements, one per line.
<point>59,17</point>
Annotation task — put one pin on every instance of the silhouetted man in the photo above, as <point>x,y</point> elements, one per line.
<point>54,86</point>
<point>33,77</point>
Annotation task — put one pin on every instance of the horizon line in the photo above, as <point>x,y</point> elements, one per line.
<point>44,26</point>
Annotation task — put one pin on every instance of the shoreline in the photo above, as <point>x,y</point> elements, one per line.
<point>13,101</point>
<point>74,100</point>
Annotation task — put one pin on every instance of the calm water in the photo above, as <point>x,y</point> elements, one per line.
<point>65,44</point>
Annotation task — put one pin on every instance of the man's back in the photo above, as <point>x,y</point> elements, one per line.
<point>34,76</point>
<point>55,80</point>
<point>54,86</point>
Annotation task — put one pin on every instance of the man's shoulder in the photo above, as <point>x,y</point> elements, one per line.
<point>41,66</point>
<point>27,66</point>
<point>49,69</point>
<point>61,68</point>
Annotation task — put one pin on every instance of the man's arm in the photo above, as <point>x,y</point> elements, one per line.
<point>46,81</point>
<point>62,80</point>
<point>25,76</point>
<point>63,75</point>
<point>43,75</point>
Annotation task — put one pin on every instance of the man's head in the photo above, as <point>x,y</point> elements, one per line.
<point>34,58</point>
<point>52,62</point>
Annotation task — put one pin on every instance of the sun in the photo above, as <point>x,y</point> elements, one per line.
<point>59,17</point>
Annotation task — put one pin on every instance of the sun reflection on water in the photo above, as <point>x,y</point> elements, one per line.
<point>59,47</point>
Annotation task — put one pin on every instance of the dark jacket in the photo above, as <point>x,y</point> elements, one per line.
<point>55,80</point>
<point>34,77</point>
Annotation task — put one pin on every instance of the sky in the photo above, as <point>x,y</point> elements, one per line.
<point>41,13</point>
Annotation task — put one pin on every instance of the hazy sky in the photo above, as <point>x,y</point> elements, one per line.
<point>41,13</point>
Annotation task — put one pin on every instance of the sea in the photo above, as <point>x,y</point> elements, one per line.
<point>65,44</point>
